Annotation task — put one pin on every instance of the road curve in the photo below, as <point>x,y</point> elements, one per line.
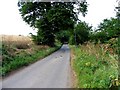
<point>50,72</point>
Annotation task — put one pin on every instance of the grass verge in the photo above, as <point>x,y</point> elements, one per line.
<point>24,59</point>
<point>94,67</point>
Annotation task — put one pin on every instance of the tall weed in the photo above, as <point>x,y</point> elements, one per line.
<point>95,67</point>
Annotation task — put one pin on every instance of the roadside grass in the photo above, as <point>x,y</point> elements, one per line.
<point>94,66</point>
<point>20,51</point>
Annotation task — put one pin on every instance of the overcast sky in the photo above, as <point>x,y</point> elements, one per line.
<point>12,23</point>
<point>99,10</point>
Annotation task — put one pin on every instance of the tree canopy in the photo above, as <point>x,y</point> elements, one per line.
<point>51,17</point>
<point>82,31</point>
<point>107,29</point>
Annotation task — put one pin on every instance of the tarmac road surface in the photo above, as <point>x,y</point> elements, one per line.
<point>50,72</point>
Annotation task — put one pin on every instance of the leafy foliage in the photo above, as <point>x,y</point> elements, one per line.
<point>94,66</point>
<point>63,36</point>
<point>106,30</point>
<point>50,18</point>
<point>118,10</point>
<point>81,33</point>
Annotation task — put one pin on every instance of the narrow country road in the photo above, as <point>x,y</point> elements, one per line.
<point>50,72</point>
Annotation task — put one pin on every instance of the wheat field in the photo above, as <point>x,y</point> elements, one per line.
<point>15,38</point>
<point>18,41</point>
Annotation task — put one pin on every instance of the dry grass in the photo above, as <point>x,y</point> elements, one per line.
<point>20,42</point>
<point>15,38</point>
<point>16,44</point>
<point>95,66</point>
<point>101,51</point>
<point>73,74</point>
<point>17,41</point>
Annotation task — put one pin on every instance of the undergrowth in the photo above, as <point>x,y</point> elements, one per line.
<point>13,58</point>
<point>95,67</point>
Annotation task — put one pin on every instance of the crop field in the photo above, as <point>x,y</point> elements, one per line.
<point>16,41</point>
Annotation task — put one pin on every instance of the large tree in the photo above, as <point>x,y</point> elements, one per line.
<point>51,17</point>
<point>82,31</point>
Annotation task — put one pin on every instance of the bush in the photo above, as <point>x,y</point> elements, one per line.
<point>6,54</point>
<point>22,46</point>
<point>114,44</point>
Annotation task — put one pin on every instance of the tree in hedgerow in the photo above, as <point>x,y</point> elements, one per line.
<point>81,33</point>
<point>108,29</point>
